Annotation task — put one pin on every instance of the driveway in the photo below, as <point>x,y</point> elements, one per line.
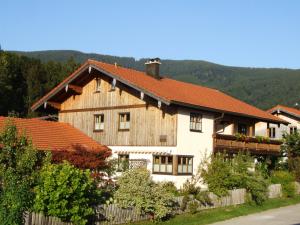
<point>289,215</point>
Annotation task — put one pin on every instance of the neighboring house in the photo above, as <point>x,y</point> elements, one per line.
<point>289,114</point>
<point>53,136</point>
<point>152,121</point>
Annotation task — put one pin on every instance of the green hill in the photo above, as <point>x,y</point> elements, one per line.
<point>261,87</point>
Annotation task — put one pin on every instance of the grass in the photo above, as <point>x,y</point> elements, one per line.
<point>220,214</point>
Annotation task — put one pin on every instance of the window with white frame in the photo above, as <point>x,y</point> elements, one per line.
<point>185,165</point>
<point>195,122</point>
<point>163,164</point>
<point>98,122</point>
<point>124,121</point>
<point>98,84</point>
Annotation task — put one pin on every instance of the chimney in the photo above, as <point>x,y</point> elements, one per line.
<point>152,67</point>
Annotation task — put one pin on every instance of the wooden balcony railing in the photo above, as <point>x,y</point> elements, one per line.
<point>231,143</point>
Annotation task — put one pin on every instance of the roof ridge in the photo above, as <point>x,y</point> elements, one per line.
<point>128,68</point>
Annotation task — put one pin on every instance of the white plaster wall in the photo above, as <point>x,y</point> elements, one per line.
<point>225,129</point>
<point>197,144</point>
<point>261,127</point>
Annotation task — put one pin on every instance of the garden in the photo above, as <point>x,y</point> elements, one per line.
<point>76,187</point>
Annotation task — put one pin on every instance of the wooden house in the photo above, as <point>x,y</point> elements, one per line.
<point>153,121</point>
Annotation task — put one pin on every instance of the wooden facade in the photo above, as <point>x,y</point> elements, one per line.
<point>148,123</point>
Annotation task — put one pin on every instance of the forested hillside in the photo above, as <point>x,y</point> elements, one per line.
<point>25,79</point>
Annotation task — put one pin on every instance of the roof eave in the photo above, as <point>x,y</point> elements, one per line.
<point>285,111</point>
<point>229,112</point>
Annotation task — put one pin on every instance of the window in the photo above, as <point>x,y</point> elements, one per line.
<point>195,122</point>
<point>124,121</point>
<point>242,129</point>
<point>293,130</point>
<point>163,164</point>
<point>99,122</point>
<point>98,84</point>
<point>185,165</point>
<point>123,162</point>
<point>272,132</point>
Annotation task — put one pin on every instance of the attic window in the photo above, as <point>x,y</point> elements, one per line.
<point>98,85</point>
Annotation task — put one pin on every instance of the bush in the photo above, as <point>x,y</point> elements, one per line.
<point>286,179</point>
<point>203,198</point>
<point>294,165</point>
<point>190,187</point>
<point>216,173</point>
<point>137,189</point>
<point>19,166</point>
<point>170,187</point>
<point>257,186</point>
<point>193,206</point>
<point>222,173</point>
<point>66,192</point>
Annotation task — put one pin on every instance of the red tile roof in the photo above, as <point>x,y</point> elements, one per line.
<point>48,135</point>
<point>172,91</point>
<point>286,109</point>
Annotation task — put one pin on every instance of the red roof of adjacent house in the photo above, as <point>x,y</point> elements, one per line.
<point>48,135</point>
<point>171,91</point>
<point>286,109</point>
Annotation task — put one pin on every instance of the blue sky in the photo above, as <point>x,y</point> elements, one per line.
<point>254,33</point>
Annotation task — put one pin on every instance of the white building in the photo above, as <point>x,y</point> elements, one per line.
<point>153,121</point>
<point>288,114</point>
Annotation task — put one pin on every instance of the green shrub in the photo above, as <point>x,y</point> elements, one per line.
<point>190,187</point>
<point>294,166</point>
<point>137,189</point>
<point>184,202</point>
<point>170,187</point>
<point>257,186</point>
<point>66,192</point>
<point>193,206</point>
<point>286,179</point>
<point>222,173</point>
<point>216,173</point>
<point>203,198</point>
<point>19,167</point>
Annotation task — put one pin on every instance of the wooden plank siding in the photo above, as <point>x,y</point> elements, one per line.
<point>147,121</point>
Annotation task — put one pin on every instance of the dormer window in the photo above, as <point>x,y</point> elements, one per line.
<point>99,122</point>
<point>98,85</point>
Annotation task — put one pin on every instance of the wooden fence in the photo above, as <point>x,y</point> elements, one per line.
<point>112,214</point>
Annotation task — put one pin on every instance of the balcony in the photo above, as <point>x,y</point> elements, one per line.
<point>256,146</point>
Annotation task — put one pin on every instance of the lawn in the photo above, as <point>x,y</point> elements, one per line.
<point>215,215</point>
